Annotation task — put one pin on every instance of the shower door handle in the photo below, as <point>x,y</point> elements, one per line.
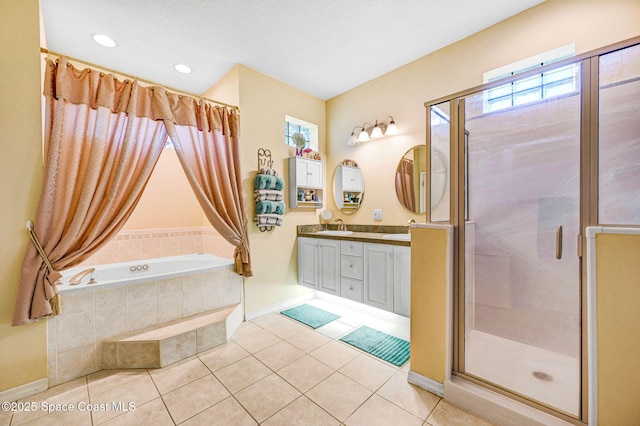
<point>559,242</point>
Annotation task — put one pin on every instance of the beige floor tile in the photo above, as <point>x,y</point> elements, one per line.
<point>258,341</point>
<point>411,398</point>
<point>302,411</point>
<point>306,372</point>
<point>446,414</point>
<point>194,398</point>
<point>5,418</point>
<point>266,397</point>
<point>246,329</point>
<point>378,411</point>
<point>279,355</point>
<point>270,320</point>
<point>288,329</point>
<point>368,371</point>
<point>241,374</point>
<point>339,395</point>
<point>137,391</point>
<point>152,413</point>
<point>335,354</point>
<point>67,393</point>
<point>334,329</point>
<point>225,413</point>
<point>223,355</point>
<point>66,418</point>
<point>179,374</point>
<point>308,340</point>
<point>105,380</point>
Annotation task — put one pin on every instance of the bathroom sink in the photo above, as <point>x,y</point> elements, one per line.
<point>333,232</point>
<point>398,237</point>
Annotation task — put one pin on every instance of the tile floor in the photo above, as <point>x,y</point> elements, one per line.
<point>274,371</point>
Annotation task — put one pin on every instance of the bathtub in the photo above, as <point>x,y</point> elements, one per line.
<point>133,296</point>
<point>134,272</point>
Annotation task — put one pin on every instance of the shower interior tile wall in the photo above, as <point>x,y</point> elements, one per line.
<point>141,244</point>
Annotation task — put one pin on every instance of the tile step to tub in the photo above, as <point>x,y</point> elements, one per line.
<point>167,343</point>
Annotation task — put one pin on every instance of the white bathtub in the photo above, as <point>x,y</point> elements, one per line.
<point>128,273</point>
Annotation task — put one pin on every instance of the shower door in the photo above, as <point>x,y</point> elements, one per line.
<point>522,299</point>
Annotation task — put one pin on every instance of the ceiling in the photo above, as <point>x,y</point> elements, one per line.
<point>323,47</point>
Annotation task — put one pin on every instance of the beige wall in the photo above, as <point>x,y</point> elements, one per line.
<point>167,200</point>
<point>618,325</point>
<point>263,103</point>
<point>23,355</point>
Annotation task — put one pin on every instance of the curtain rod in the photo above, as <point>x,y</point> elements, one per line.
<point>50,52</point>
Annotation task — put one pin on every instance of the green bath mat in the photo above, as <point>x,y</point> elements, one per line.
<point>310,315</point>
<point>388,348</point>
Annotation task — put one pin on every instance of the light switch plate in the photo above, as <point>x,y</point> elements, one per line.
<point>377,214</point>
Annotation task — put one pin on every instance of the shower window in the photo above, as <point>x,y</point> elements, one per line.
<point>557,82</point>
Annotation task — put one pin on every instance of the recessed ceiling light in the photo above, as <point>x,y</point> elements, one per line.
<point>104,40</point>
<point>184,69</point>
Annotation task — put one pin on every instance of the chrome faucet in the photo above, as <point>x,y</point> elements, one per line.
<point>79,276</point>
<point>408,225</point>
<point>341,225</point>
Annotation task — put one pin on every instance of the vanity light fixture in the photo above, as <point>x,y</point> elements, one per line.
<point>373,131</point>
<point>103,40</point>
<point>184,69</point>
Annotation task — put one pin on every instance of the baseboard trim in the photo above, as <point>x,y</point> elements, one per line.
<point>426,383</point>
<point>25,390</point>
<point>277,307</point>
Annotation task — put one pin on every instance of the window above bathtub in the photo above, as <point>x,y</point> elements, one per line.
<point>293,126</point>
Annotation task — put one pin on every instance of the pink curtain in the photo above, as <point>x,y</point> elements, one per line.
<point>404,184</point>
<point>103,138</point>
<point>211,160</point>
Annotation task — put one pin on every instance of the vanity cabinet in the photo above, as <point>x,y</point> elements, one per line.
<point>377,275</point>
<point>319,264</point>
<point>402,280</point>
<point>305,182</point>
<point>352,270</point>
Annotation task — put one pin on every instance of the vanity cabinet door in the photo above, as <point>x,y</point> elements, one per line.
<point>308,262</point>
<point>329,266</point>
<point>402,280</point>
<point>378,279</point>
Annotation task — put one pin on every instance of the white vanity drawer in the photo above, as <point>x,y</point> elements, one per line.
<point>353,248</point>
<point>352,289</point>
<point>352,267</point>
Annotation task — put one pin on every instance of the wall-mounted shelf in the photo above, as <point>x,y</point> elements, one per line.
<point>306,177</point>
<point>349,187</point>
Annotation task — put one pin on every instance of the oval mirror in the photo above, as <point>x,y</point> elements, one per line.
<point>411,179</point>
<point>348,186</point>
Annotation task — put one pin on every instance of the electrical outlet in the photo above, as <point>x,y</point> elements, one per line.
<point>377,214</point>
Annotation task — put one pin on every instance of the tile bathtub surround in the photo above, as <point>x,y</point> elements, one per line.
<point>242,383</point>
<point>139,244</point>
<point>75,337</point>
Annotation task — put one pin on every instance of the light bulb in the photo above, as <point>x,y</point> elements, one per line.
<point>376,132</point>
<point>363,136</point>
<point>392,129</point>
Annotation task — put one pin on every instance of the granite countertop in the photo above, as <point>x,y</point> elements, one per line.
<point>363,233</point>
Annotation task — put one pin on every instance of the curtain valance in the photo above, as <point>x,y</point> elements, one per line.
<point>94,88</point>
